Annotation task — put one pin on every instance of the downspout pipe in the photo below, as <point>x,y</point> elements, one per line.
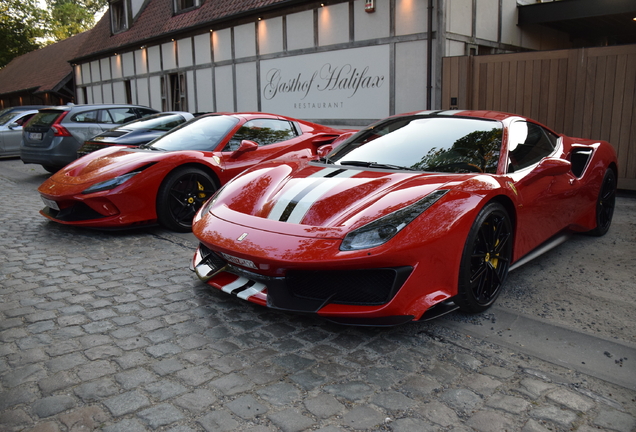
<point>429,57</point>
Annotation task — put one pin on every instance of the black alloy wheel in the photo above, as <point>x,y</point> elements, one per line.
<point>181,195</point>
<point>485,260</point>
<point>605,204</point>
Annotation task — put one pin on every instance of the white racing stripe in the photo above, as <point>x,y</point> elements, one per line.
<point>254,289</point>
<point>234,285</point>
<point>323,180</point>
<point>308,200</point>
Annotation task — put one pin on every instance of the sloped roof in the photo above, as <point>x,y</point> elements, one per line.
<point>43,69</point>
<point>157,20</point>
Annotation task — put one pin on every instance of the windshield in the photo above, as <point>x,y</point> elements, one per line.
<point>202,133</point>
<point>431,144</point>
<point>156,122</point>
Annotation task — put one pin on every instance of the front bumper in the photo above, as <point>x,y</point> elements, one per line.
<point>329,293</point>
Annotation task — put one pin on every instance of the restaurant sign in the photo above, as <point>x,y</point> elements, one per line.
<point>351,84</point>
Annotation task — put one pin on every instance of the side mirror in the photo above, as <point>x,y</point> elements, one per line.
<point>324,150</point>
<point>246,146</point>
<point>548,167</point>
<point>13,125</point>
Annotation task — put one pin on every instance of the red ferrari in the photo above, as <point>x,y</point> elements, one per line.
<point>168,179</point>
<point>412,217</point>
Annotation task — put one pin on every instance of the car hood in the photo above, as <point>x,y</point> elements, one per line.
<point>106,164</point>
<point>321,197</point>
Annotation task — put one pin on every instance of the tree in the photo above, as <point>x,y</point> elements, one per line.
<point>70,17</point>
<point>21,24</point>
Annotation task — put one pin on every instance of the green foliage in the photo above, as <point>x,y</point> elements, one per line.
<point>25,26</point>
<point>20,26</point>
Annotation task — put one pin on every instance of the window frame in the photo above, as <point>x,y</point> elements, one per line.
<point>119,16</point>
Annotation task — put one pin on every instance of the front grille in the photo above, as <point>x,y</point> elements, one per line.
<point>355,287</point>
<point>75,213</point>
<point>211,258</point>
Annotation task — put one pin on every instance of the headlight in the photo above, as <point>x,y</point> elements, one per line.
<point>382,230</point>
<point>109,184</point>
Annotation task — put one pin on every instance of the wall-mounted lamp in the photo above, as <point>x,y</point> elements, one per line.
<point>322,5</point>
<point>260,18</point>
<point>142,47</point>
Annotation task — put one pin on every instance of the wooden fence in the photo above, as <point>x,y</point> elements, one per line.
<point>588,92</point>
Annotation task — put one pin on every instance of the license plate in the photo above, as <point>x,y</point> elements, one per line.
<point>239,261</point>
<point>50,203</point>
<point>36,136</point>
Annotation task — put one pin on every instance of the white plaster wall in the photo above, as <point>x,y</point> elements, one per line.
<point>128,64</point>
<point>222,44</point>
<point>95,72</point>
<point>107,92</point>
<point>487,16</point>
<point>169,55</point>
<point>104,65</point>
<point>410,16</point>
<point>184,51</point>
<point>455,48</point>
<point>154,58</point>
<point>205,99</point>
<point>202,49</point>
<point>191,96</point>
<point>142,92</point>
<point>270,35</point>
<point>410,74</point>
<point>136,6</point>
<point>510,32</point>
<point>155,92</point>
<point>79,96</point>
<point>223,85</point>
<point>333,24</point>
<point>141,58</point>
<point>97,94</point>
<point>119,92</point>
<point>77,70</point>
<point>115,63</point>
<point>245,40</point>
<point>86,73</point>
<point>459,17</point>
<point>372,25</point>
<point>246,90</point>
<point>300,30</point>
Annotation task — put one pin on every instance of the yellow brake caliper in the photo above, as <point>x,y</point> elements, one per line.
<point>202,194</point>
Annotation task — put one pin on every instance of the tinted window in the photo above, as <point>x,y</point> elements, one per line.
<point>86,117</point>
<point>157,122</point>
<point>44,119</point>
<point>146,111</point>
<point>262,132</point>
<point>432,144</point>
<point>4,119</point>
<point>528,144</point>
<point>120,115</point>
<point>203,133</point>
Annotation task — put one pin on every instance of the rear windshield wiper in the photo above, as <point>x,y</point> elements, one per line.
<point>376,165</point>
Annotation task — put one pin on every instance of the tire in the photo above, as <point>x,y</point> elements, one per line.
<point>181,195</point>
<point>50,168</point>
<point>485,259</point>
<point>605,204</point>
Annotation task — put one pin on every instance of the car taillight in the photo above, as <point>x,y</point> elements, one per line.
<point>58,129</point>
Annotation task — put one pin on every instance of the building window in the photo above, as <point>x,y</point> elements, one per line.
<point>118,16</point>
<point>185,5</point>
<point>173,92</point>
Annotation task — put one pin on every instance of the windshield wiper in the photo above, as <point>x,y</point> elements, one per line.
<point>376,165</point>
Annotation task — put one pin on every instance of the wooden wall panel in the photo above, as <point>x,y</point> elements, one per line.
<point>588,92</point>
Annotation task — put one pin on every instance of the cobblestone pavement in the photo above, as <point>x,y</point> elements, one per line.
<point>111,332</point>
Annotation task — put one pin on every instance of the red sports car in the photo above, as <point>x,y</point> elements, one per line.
<point>410,218</point>
<point>168,179</point>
